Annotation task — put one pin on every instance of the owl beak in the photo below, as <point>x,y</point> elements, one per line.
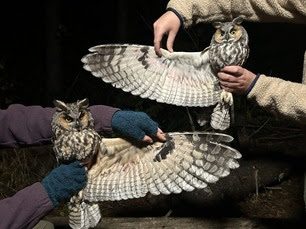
<point>78,126</point>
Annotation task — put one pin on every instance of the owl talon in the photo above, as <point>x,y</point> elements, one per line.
<point>226,98</point>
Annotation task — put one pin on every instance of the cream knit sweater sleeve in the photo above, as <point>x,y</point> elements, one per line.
<point>195,11</point>
<point>281,97</point>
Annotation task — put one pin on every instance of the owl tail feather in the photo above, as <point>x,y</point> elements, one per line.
<point>221,118</point>
<point>83,215</point>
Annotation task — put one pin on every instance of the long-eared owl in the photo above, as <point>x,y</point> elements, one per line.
<point>74,135</point>
<point>126,169</point>
<point>229,45</point>
<point>180,78</point>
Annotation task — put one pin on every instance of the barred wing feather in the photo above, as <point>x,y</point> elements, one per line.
<point>186,161</point>
<point>137,69</point>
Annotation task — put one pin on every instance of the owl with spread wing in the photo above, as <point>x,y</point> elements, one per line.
<point>120,169</point>
<point>180,78</point>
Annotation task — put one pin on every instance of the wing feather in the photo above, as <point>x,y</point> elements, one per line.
<point>171,79</point>
<point>126,169</point>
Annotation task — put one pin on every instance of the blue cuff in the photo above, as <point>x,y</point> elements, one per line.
<point>252,85</point>
<point>177,14</point>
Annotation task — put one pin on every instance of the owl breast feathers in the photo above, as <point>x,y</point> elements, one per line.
<point>179,78</point>
<point>123,169</point>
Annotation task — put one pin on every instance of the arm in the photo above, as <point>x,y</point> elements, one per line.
<point>282,97</point>
<point>31,125</point>
<point>25,208</point>
<point>186,13</point>
<point>28,206</point>
<point>23,125</point>
<point>196,11</point>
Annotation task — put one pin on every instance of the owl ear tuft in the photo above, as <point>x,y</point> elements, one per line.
<point>217,24</point>
<point>84,103</point>
<point>61,106</point>
<point>238,20</point>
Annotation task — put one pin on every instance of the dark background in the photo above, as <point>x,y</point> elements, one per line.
<point>42,44</point>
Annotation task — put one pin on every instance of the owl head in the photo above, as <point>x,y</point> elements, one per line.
<point>229,31</point>
<point>72,116</point>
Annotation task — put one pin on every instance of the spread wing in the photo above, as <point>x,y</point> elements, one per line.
<point>179,78</point>
<point>184,162</point>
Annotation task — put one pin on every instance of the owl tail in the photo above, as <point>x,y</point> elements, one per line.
<point>221,116</point>
<point>83,215</point>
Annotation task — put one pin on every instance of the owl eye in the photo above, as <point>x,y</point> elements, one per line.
<point>233,31</point>
<point>68,119</point>
<point>222,33</point>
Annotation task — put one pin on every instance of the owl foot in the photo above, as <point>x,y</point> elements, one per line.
<point>226,98</point>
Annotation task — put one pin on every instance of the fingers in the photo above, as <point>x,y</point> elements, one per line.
<point>157,42</point>
<point>167,24</point>
<point>226,77</point>
<point>147,139</point>
<point>234,70</point>
<point>231,83</point>
<point>159,32</point>
<point>170,41</point>
<point>235,79</point>
<point>160,136</point>
<point>231,87</point>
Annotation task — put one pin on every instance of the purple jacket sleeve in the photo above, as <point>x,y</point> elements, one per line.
<point>25,208</point>
<point>21,125</point>
<point>31,125</point>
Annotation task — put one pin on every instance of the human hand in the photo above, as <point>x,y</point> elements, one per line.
<point>65,181</point>
<point>167,24</point>
<point>235,79</point>
<point>137,125</point>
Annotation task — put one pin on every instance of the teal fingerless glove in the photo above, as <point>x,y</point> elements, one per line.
<point>134,124</point>
<point>65,181</point>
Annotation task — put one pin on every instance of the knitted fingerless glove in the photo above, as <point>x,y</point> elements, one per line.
<point>134,124</point>
<point>65,181</point>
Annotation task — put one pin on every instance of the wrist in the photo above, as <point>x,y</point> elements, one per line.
<point>252,84</point>
<point>50,193</point>
<point>177,14</point>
